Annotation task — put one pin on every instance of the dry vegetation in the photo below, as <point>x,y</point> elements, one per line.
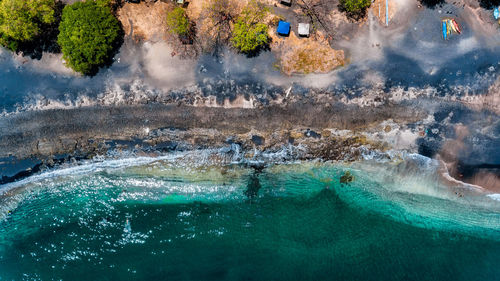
<point>306,55</point>
<point>214,21</point>
<point>144,21</point>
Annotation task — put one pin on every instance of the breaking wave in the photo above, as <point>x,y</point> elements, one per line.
<point>407,187</point>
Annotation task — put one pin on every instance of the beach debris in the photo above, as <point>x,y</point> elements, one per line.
<point>387,12</point>
<point>384,11</point>
<point>496,13</point>
<point>450,26</point>
<point>347,177</point>
<point>288,92</point>
<point>127,228</point>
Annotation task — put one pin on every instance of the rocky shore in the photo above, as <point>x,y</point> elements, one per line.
<point>318,130</point>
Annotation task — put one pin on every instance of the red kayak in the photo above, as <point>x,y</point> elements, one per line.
<point>457,27</point>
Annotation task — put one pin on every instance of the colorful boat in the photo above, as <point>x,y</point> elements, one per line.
<point>445,30</point>
<point>457,27</point>
<point>496,13</point>
<point>448,26</point>
<point>452,26</point>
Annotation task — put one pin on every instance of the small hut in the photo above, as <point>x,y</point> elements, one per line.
<point>283,28</point>
<point>286,2</point>
<point>304,29</point>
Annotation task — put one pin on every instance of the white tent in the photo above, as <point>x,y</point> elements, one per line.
<point>303,29</point>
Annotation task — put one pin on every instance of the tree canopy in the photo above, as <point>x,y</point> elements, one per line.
<point>178,22</point>
<point>21,20</point>
<point>250,32</point>
<point>88,34</point>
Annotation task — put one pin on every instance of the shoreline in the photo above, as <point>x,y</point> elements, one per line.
<point>86,128</point>
<point>394,164</point>
<point>152,101</point>
<point>65,135</point>
<point>312,131</point>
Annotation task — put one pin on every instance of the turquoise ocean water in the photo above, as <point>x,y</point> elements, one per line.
<point>159,221</point>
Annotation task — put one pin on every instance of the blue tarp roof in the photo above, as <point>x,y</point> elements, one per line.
<point>283,27</point>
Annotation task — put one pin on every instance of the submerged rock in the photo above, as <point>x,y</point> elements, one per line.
<point>253,186</point>
<point>347,177</point>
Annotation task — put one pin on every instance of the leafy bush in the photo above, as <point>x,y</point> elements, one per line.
<point>106,3</point>
<point>355,8</point>
<point>21,20</point>
<point>250,33</point>
<point>178,22</point>
<point>88,34</point>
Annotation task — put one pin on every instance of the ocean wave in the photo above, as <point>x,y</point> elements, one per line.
<point>85,168</point>
<point>494,196</point>
<point>409,187</point>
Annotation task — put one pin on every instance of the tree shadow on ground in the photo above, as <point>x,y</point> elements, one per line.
<point>431,4</point>
<point>353,16</point>
<point>489,4</point>
<point>260,49</point>
<point>46,41</point>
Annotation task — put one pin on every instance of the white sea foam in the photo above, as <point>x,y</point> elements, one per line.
<point>407,180</point>
<point>85,168</point>
<point>494,196</point>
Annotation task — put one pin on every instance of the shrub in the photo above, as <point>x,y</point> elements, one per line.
<point>355,8</point>
<point>178,22</point>
<point>88,34</point>
<point>250,33</point>
<point>105,3</point>
<point>21,20</point>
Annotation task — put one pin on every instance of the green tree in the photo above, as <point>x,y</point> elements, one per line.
<point>21,20</point>
<point>178,21</point>
<point>106,3</point>
<point>88,34</point>
<point>355,8</point>
<point>250,32</point>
